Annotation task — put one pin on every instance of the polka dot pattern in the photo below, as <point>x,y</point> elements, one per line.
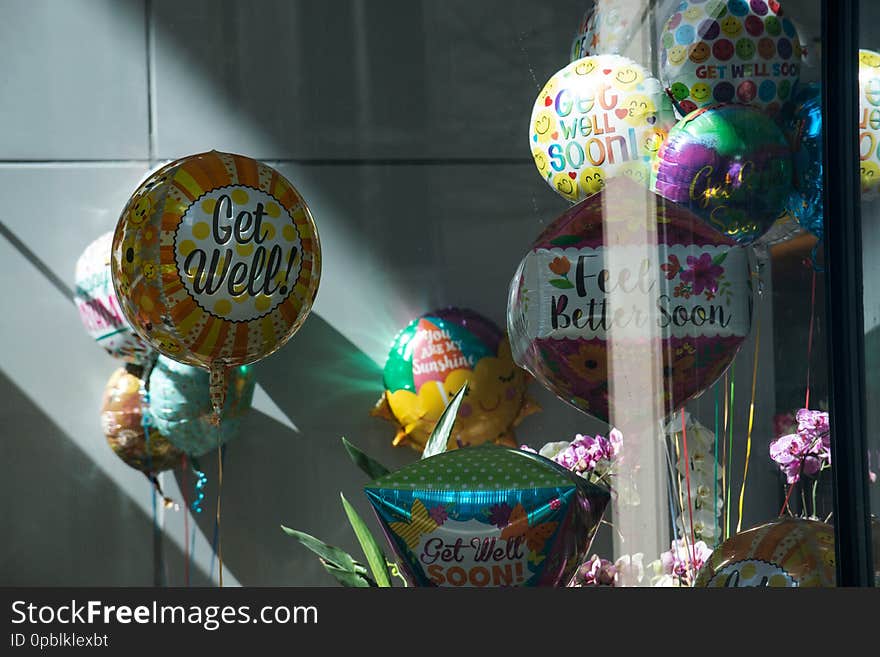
<point>487,467</point>
<point>728,50</point>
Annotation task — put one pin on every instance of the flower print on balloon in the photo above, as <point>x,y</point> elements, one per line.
<point>584,294</point>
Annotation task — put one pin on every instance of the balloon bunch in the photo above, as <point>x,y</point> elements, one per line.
<point>154,410</point>
<point>214,264</point>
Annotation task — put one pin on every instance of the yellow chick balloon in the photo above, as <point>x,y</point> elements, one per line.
<point>429,362</point>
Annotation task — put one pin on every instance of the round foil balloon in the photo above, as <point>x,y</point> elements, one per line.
<point>804,129</point>
<point>869,121</point>
<point>730,165</point>
<point>180,405</point>
<point>729,51</point>
<point>489,516</point>
<point>99,309</point>
<point>216,261</point>
<point>598,117</point>
<point>122,421</point>
<point>429,362</point>
<point>603,29</point>
<point>582,45</point>
<point>602,293</point>
<point>785,553</point>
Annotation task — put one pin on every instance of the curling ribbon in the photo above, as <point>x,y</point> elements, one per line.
<point>687,477</point>
<point>742,490</point>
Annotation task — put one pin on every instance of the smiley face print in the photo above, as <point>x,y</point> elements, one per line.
<point>540,162</point>
<point>627,77</point>
<point>731,26</point>
<point>543,126</point>
<point>585,66</point>
<point>653,140</point>
<point>141,210</point>
<point>767,48</point>
<point>676,55</point>
<point>870,174</point>
<point>565,185</point>
<point>699,52</point>
<point>636,171</point>
<point>640,110</point>
<point>701,92</point>
<point>869,58</point>
<point>745,49</point>
<point>692,13</point>
<point>592,181</point>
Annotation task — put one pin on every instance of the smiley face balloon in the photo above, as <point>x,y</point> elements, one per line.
<point>729,51</point>
<point>597,118</point>
<point>869,122</point>
<point>216,262</point>
<point>429,362</point>
<point>604,28</point>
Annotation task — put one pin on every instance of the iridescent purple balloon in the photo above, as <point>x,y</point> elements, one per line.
<point>731,166</point>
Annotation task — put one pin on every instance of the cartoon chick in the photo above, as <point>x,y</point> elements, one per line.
<point>495,402</point>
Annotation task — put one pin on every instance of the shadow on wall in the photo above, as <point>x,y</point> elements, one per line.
<point>46,476</point>
<point>275,475</point>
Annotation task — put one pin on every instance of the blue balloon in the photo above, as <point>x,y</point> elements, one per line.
<point>180,405</point>
<point>804,130</point>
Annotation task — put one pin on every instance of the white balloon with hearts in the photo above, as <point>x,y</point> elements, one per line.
<point>597,118</point>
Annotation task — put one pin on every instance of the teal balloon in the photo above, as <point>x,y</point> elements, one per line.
<point>180,405</point>
<point>804,129</point>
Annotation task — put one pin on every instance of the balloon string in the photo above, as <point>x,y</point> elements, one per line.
<point>810,337</point>
<point>201,482</point>
<point>787,498</point>
<point>155,489</point>
<point>183,464</point>
<point>724,446</point>
<point>742,490</point>
<point>687,477</point>
<point>216,527</point>
<point>673,494</point>
<point>219,496</point>
<point>715,523</point>
<point>730,450</point>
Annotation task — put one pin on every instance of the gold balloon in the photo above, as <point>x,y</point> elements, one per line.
<point>122,421</point>
<point>785,553</point>
<point>216,262</point>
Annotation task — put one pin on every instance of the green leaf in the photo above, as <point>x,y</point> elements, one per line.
<point>373,468</point>
<point>561,283</point>
<point>717,260</point>
<point>333,555</point>
<point>439,439</point>
<point>347,577</point>
<point>565,240</point>
<point>375,557</point>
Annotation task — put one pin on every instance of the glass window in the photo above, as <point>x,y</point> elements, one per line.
<point>609,218</point>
